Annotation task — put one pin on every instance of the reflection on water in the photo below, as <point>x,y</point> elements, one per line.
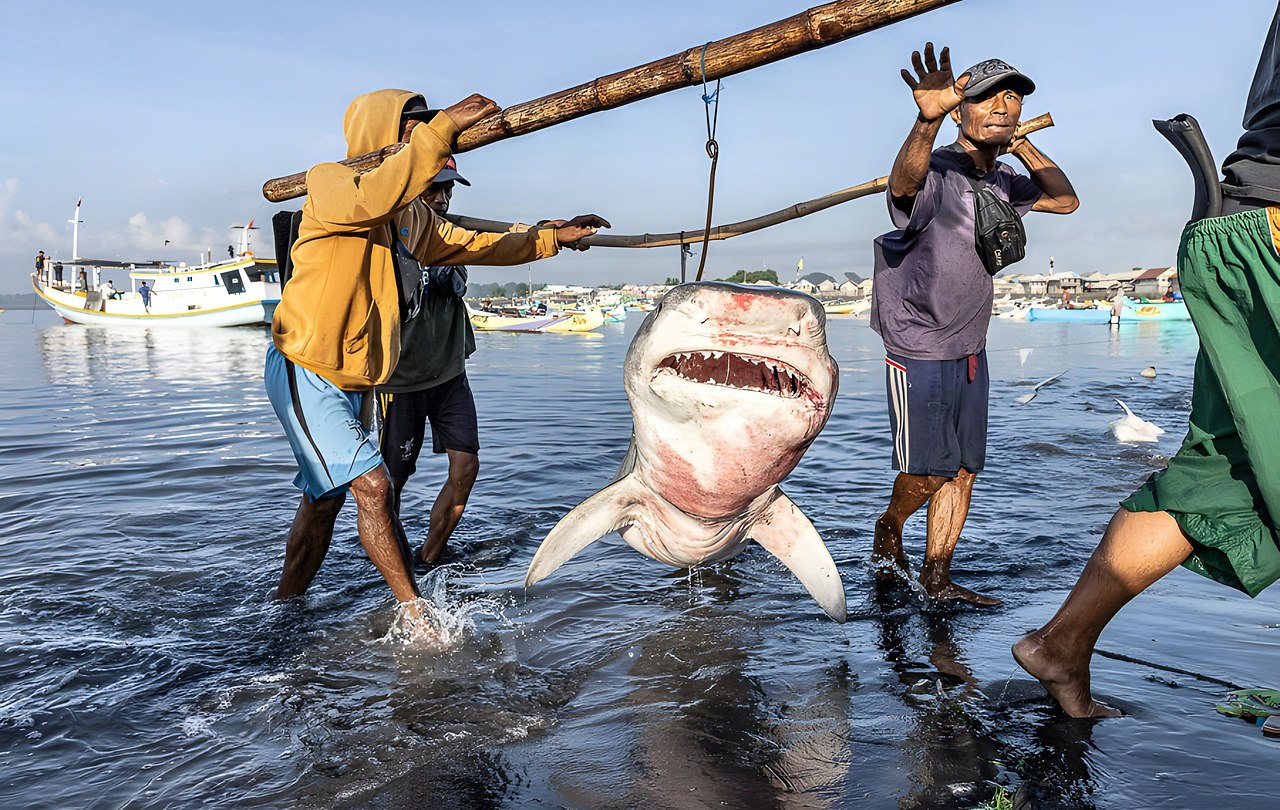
<point>101,356</point>
<point>147,493</point>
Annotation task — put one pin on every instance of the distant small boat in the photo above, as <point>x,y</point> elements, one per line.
<point>583,321</point>
<point>615,314</point>
<point>845,307</point>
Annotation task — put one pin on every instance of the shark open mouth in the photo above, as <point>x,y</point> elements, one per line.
<point>741,371</point>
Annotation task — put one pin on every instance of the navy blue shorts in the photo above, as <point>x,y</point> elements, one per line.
<point>937,414</point>
<point>451,409</point>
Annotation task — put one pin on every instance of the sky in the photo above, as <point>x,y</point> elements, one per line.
<point>166,118</point>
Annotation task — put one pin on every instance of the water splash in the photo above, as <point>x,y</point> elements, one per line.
<point>435,620</point>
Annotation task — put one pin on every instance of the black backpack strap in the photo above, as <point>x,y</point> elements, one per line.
<point>284,227</point>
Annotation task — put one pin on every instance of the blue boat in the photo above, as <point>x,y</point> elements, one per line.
<point>1132,311</point>
<point>1082,315</point>
<point>1154,311</point>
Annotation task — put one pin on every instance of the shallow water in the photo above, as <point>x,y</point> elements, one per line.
<point>146,493</point>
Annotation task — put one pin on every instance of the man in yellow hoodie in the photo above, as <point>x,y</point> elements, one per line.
<point>336,331</point>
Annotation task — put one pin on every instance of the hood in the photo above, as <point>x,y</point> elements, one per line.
<point>373,120</point>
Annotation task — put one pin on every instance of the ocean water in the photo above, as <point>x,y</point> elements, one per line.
<point>145,495</point>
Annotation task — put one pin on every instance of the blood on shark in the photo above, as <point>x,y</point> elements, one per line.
<point>729,385</point>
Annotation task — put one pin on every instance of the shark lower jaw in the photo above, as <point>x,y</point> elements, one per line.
<point>743,372</point>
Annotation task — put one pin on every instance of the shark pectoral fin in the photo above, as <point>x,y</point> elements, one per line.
<point>628,461</point>
<point>788,535</point>
<point>603,512</point>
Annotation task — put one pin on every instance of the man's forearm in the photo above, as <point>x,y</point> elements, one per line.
<point>1059,195</point>
<point>912,163</point>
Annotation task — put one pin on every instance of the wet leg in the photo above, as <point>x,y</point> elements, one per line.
<point>450,503</point>
<point>398,482</point>
<point>381,533</point>
<point>308,543</point>
<point>1137,549</point>
<point>910,492</point>
<point>948,509</point>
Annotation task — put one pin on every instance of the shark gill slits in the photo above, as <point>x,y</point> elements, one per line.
<point>736,371</point>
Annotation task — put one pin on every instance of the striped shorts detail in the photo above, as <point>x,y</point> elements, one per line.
<point>937,414</point>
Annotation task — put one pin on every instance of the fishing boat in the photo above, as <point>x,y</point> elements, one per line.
<point>578,321</point>
<point>1131,311</point>
<point>615,314</point>
<point>846,307</point>
<point>241,290</point>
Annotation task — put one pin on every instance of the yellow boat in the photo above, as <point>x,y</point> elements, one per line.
<point>846,307</point>
<point>577,321</point>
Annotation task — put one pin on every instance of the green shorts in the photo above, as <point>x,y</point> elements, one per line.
<point>1223,484</point>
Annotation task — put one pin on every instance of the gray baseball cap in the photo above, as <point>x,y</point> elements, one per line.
<point>986,75</point>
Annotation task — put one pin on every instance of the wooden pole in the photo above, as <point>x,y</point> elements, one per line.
<point>816,28</point>
<point>801,209</point>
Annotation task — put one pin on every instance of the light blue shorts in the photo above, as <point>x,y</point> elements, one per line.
<point>323,425</point>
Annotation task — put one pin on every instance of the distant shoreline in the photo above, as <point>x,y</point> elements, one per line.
<point>20,301</point>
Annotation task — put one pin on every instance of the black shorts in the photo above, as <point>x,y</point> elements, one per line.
<point>937,414</point>
<point>451,409</point>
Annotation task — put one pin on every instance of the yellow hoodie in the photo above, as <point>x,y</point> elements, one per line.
<point>339,315</point>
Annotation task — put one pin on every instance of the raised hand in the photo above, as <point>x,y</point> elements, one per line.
<point>936,90</point>
<point>568,233</point>
<point>470,110</point>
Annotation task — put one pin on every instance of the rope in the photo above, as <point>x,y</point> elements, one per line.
<point>712,110</point>
<point>1128,659</point>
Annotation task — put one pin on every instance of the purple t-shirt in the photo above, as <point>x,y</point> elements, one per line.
<point>932,296</point>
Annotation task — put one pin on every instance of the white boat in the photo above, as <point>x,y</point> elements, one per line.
<point>846,307</point>
<point>241,290</point>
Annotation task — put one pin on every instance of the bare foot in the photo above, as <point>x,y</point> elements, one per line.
<point>953,592</point>
<point>1064,676</point>
<point>427,555</point>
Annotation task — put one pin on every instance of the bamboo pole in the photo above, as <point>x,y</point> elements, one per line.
<point>815,28</point>
<point>719,232</point>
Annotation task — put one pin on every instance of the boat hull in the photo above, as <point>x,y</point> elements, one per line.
<point>1161,311</point>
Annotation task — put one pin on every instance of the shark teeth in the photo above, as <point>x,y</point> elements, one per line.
<point>741,371</point>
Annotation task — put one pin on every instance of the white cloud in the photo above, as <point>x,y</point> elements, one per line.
<point>140,239</point>
<point>18,231</point>
<point>170,238</point>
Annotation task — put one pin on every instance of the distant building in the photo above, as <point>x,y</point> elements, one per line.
<point>851,287</point>
<point>1153,282</point>
<point>815,284</point>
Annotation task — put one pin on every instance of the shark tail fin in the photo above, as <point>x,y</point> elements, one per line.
<point>606,511</point>
<point>787,534</point>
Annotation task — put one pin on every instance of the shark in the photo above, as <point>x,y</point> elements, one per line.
<point>728,384</point>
